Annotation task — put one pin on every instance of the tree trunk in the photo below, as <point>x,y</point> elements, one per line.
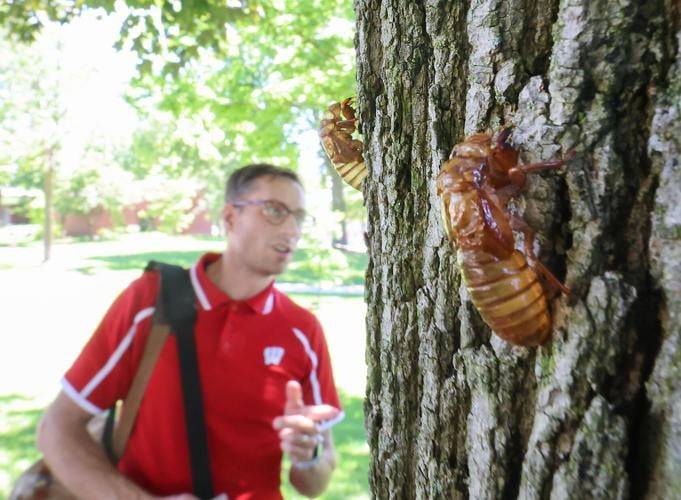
<point>453,411</point>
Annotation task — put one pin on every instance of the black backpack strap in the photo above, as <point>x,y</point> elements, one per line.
<point>108,432</point>
<point>178,307</point>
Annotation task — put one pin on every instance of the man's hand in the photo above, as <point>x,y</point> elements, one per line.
<point>298,429</point>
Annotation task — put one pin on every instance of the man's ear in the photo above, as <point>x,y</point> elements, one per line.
<point>227,217</point>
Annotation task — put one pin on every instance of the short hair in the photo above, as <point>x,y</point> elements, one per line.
<point>241,181</point>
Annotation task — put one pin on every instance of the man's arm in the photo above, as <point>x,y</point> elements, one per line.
<point>77,460</point>
<point>299,435</point>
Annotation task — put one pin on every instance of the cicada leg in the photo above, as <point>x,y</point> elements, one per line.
<point>518,174</point>
<point>347,124</point>
<point>533,261</point>
<point>546,165</point>
<point>504,135</point>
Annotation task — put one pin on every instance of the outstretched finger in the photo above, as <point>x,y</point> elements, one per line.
<point>294,398</point>
<point>320,413</point>
<point>307,418</point>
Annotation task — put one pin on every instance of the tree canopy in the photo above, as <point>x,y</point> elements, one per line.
<point>217,84</point>
<point>244,74</point>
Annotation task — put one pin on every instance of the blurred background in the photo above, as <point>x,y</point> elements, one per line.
<point>119,124</point>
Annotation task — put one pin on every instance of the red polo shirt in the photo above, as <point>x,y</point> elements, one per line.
<point>247,351</point>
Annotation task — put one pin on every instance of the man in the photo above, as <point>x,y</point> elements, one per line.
<point>266,377</point>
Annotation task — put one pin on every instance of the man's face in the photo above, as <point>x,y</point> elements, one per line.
<point>262,247</point>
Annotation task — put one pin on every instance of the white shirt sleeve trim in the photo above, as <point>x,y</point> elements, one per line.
<point>316,391</point>
<point>327,424</point>
<point>78,399</point>
<point>117,354</point>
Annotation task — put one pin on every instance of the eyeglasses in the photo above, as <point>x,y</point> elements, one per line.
<point>276,212</point>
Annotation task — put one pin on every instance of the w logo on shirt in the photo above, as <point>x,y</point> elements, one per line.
<point>273,355</point>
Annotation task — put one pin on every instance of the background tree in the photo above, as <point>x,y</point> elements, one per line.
<point>30,79</point>
<point>453,412</point>
<point>96,184</point>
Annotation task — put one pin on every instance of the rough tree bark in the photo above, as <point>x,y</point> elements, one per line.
<point>452,411</point>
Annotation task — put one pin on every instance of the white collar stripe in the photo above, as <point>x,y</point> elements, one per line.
<point>117,354</point>
<point>316,392</point>
<point>269,304</point>
<point>200,294</point>
<point>78,399</point>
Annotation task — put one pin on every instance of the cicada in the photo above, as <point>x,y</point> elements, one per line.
<point>475,186</point>
<point>344,151</point>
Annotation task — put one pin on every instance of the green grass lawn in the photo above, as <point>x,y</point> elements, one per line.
<point>49,311</point>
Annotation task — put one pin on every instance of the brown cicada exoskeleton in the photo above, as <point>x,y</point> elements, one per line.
<point>345,153</point>
<point>475,185</point>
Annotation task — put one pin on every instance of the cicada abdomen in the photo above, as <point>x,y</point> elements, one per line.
<point>346,154</point>
<point>507,294</point>
<point>475,185</point>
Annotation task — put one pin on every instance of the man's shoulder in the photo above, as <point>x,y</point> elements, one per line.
<point>293,311</point>
<point>147,282</point>
<point>142,292</point>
